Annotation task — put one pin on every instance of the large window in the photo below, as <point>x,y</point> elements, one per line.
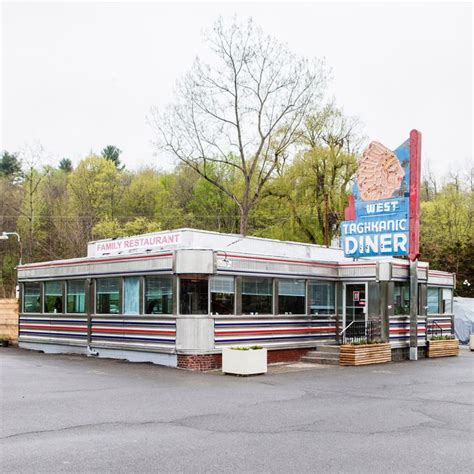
<point>131,295</point>
<point>32,297</point>
<point>322,297</point>
<point>447,296</point>
<point>222,295</point>
<point>53,297</point>
<point>193,296</point>
<point>440,300</point>
<point>107,296</point>
<point>158,295</point>
<point>76,296</point>
<point>257,295</point>
<point>433,301</point>
<point>291,297</point>
<point>401,298</point>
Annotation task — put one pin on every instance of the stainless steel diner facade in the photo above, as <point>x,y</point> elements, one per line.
<point>177,297</point>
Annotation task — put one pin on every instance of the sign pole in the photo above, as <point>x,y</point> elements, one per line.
<point>414,310</point>
<point>414,237</point>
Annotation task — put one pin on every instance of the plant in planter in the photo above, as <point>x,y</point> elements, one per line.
<point>249,360</point>
<point>4,341</point>
<point>443,346</point>
<point>365,352</point>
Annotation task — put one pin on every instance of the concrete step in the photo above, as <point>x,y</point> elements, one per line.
<point>320,354</point>
<point>324,354</point>
<point>328,348</point>
<point>320,360</point>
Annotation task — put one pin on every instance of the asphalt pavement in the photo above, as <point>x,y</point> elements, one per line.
<point>75,414</point>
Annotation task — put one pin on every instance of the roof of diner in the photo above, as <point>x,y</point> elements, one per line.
<point>185,238</point>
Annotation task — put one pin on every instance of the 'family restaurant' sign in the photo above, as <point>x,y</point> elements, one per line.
<point>134,244</point>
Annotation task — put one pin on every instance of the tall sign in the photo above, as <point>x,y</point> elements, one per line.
<point>384,210</point>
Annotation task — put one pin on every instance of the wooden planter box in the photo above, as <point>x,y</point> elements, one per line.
<point>443,348</point>
<point>365,354</point>
<point>250,362</point>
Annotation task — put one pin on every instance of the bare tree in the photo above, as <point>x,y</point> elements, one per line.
<point>243,111</point>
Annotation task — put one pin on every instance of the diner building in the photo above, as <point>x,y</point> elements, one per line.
<point>178,297</point>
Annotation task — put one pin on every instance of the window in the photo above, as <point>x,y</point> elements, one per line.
<point>107,296</point>
<point>257,295</point>
<point>193,295</point>
<point>222,295</point>
<point>447,294</point>
<point>401,298</point>
<point>76,296</point>
<point>158,295</point>
<point>31,297</point>
<point>291,297</point>
<point>131,295</point>
<point>53,297</point>
<point>322,297</point>
<point>433,300</point>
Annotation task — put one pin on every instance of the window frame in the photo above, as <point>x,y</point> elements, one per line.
<point>304,296</point>
<point>272,295</point>
<point>143,292</point>
<point>140,301</point>
<point>439,303</point>
<point>234,308</point>
<point>66,290</point>
<point>185,276</point>
<point>45,284</point>
<point>333,310</point>
<point>40,284</point>
<point>120,279</point>
<point>402,284</point>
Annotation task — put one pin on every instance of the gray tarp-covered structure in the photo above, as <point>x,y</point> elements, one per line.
<point>463,318</point>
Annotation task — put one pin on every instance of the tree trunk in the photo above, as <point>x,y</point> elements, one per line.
<point>244,220</point>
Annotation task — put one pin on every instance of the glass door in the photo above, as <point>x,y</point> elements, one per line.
<point>355,310</point>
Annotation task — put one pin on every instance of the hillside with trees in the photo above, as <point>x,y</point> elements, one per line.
<point>258,151</point>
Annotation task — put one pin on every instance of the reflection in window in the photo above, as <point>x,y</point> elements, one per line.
<point>322,297</point>
<point>131,295</point>
<point>107,296</point>
<point>291,297</point>
<point>401,298</point>
<point>31,297</point>
<point>222,295</point>
<point>447,301</point>
<point>76,296</point>
<point>158,295</point>
<point>433,300</point>
<point>53,297</point>
<point>257,295</point>
<point>193,296</point>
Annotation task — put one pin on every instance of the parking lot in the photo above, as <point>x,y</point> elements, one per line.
<point>71,413</point>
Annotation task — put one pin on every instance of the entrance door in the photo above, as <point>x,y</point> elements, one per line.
<point>355,310</point>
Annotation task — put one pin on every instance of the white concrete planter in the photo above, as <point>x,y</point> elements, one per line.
<point>239,362</point>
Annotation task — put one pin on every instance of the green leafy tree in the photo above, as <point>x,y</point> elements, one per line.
<point>65,165</point>
<point>113,153</point>
<point>447,232</point>
<point>311,192</point>
<point>10,165</point>
<point>97,188</point>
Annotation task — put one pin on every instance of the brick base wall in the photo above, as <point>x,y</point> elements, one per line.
<point>286,355</point>
<point>214,361</point>
<point>200,361</point>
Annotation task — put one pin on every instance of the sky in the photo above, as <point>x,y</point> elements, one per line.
<point>76,77</point>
